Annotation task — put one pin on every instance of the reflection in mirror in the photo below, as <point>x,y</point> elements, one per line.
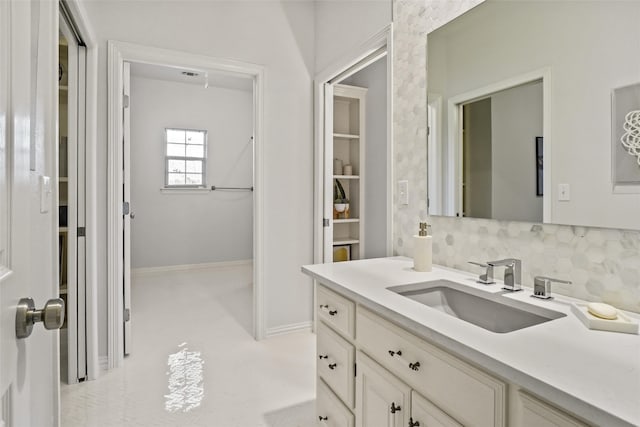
<point>520,115</point>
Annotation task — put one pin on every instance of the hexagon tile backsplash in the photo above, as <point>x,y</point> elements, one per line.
<point>603,264</point>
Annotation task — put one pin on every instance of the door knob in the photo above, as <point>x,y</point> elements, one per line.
<point>52,316</point>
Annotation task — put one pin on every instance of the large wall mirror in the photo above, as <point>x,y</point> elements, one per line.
<point>528,104</point>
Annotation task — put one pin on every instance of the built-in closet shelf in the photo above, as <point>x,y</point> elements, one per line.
<point>345,221</point>
<point>63,179</point>
<point>62,87</point>
<point>346,241</point>
<point>346,176</point>
<point>63,229</point>
<point>345,136</point>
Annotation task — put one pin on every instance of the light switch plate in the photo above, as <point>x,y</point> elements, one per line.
<point>564,192</point>
<point>403,192</point>
<point>45,194</point>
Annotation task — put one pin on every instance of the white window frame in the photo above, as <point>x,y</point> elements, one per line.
<point>202,159</point>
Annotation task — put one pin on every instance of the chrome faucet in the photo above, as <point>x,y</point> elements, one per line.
<point>487,277</point>
<point>512,273</point>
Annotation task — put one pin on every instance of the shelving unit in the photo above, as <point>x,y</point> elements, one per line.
<point>349,148</point>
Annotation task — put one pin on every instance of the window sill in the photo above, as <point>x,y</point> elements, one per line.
<point>165,190</point>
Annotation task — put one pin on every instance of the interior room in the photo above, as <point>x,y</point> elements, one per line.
<point>333,213</point>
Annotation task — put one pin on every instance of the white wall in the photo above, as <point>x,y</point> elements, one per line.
<point>516,121</point>
<point>587,60</point>
<point>342,26</point>
<point>374,77</point>
<point>188,228</point>
<point>279,36</point>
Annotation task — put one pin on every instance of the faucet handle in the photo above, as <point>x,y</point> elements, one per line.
<point>487,277</point>
<point>542,286</point>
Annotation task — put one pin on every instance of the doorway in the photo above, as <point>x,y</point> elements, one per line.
<point>121,205</point>
<point>189,167</point>
<point>78,354</point>
<point>354,155</point>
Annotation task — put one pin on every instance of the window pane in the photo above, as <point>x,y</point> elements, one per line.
<point>195,150</point>
<point>194,166</point>
<point>195,137</point>
<point>175,136</point>
<point>176,165</point>
<point>175,150</point>
<point>194,179</point>
<point>176,179</point>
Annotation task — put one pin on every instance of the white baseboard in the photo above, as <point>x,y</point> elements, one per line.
<point>287,329</point>
<point>103,363</point>
<point>189,267</point>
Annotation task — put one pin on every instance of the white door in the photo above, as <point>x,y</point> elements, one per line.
<point>29,374</point>
<point>328,173</point>
<point>381,399</point>
<point>128,213</point>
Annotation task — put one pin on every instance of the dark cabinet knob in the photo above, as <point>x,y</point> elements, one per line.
<point>394,408</point>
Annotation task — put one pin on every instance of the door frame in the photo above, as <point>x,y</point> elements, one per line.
<point>343,68</point>
<point>118,53</point>
<point>452,202</point>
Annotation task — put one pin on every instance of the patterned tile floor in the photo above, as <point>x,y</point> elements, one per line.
<point>194,362</point>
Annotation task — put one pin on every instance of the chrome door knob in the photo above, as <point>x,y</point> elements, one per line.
<point>52,316</point>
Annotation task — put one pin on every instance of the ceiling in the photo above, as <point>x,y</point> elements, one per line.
<point>217,79</point>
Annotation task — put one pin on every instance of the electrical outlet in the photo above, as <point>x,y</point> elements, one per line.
<point>403,192</point>
<point>564,192</point>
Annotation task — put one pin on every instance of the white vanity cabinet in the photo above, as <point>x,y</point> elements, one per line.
<point>372,372</point>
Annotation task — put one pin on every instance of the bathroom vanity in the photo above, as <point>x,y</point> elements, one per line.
<point>387,359</point>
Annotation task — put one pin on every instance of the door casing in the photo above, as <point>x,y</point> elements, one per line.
<point>118,53</point>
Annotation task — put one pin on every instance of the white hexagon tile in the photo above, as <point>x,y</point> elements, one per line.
<point>603,264</point>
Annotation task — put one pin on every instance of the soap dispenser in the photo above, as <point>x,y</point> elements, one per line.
<point>422,250</point>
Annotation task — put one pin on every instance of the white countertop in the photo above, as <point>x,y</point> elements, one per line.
<point>594,374</point>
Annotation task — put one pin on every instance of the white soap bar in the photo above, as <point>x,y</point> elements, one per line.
<point>604,311</point>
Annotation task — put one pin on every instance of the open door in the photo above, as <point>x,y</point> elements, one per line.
<point>328,173</point>
<point>128,214</point>
<point>29,374</point>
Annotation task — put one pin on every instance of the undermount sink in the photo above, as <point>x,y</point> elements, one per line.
<point>492,312</point>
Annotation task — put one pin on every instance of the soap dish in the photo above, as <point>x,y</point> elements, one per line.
<point>623,323</point>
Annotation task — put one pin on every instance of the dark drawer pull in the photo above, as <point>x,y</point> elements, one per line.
<point>413,424</point>
<point>395,353</point>
<point>332,366</point>
<point>415,366</point>
<point>321,418</point>
<point>323,356</point>
<point>394,408</point>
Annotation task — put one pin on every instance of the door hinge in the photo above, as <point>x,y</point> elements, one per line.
<point>428,130</point>
<point>355,369</point>
<point>325,222</point>
<point>127,314</point>
<point>125,101</point>
<point>125,208</point>
<point>82,231</point>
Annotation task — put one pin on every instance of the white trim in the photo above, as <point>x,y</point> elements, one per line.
<point>118,53</point>
<point>288,329</point>
<point>185,190</point>
<point>381,39</point>
<point>452,196</point>
<point>144,271</point>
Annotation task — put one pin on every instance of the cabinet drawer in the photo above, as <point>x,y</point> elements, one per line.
<point>336,311</point>
<point>536,413</point>
<point>336,363</point>
<point>330,411</point>
<point>467,394</point>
